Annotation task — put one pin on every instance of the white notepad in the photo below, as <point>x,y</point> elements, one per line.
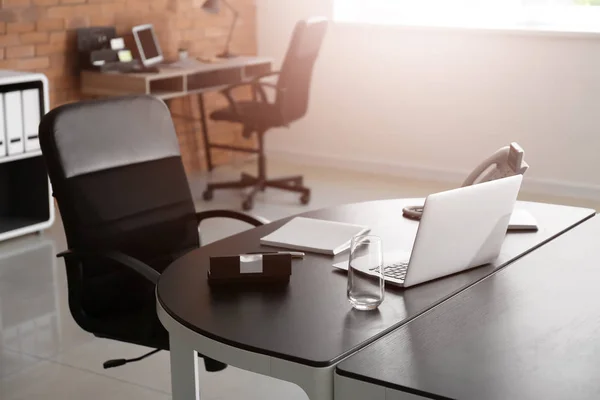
<point>314,235</point>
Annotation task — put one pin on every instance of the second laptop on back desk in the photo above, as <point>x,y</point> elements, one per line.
<point>460,229</point>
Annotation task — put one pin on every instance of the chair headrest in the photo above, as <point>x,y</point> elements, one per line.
<point>96,135</point>
<point>313,30</point>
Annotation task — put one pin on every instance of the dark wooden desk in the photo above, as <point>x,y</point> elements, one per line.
<point>300,333</point>
<point>531,331</point>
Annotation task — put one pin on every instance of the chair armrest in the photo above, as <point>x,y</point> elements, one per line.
<point>270,85</point>
<point>257,87</point>
<point>259,77</point>
<point>253,81</point>
<point>254,221</point>
<point>130,262</point>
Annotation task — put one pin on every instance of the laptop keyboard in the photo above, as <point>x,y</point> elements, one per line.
<point>395,271</point>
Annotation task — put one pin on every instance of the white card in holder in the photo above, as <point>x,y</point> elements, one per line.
<point>251,264</point>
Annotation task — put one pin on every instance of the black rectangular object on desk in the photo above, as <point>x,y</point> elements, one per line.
<point>104,56</point>
<point>250,269</point>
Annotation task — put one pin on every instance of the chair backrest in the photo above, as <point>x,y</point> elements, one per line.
<point>117,176</point>
<point>296,71</point>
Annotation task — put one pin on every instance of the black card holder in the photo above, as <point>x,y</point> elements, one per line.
<point>275,269</point>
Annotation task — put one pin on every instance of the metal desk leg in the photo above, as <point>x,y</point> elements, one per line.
<point>184,370</point>
<point>207,152</point>
<point>317,383</point>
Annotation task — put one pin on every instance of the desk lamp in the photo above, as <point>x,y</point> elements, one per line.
<point>212,7</point>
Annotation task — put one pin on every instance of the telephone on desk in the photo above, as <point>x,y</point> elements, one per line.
<point>505,162</point>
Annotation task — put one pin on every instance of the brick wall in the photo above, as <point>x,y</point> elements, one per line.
<point>39,35</point>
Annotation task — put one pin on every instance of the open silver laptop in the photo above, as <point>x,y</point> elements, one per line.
<point>459,229</point>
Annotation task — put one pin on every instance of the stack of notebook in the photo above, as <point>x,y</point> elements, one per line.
<point>314,236</point>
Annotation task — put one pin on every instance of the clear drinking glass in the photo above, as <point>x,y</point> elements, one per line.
<point>365,291</point>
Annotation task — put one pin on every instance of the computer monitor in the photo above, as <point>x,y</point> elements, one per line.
<point>147,44</point>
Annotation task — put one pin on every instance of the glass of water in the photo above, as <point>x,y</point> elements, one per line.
<point>365,272</point>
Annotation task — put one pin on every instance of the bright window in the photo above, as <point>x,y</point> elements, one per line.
<point>561,15</point>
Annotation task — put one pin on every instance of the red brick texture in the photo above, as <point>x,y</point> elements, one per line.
<point>39,35</point>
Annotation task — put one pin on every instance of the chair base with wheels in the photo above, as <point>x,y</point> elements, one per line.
<point>260,182</point>
<point>292,184</point>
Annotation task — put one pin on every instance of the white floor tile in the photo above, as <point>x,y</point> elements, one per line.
<point>14,363</point>
<point>34,314</point>
<point>154,373</point>
<point>51,381</point>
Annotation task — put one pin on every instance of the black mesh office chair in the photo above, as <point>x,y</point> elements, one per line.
<point>259,115</point>
<point>127,212</point>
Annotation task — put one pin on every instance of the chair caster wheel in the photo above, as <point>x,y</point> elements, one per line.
<point>207,195</point>
<point>305,199</point>
<point>247,205</point>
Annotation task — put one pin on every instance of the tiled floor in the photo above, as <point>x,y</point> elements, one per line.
<point>45,355</point>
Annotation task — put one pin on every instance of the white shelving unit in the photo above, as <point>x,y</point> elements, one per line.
<point>26,204</point>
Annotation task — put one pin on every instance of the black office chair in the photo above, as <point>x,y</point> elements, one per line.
<point>259,115</point>
<point>127,212</point>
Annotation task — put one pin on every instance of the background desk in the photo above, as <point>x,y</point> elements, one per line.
<point>531,331</point>
<point>173,82</point>
<point>299,334</point>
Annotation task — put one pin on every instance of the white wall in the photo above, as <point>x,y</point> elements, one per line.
<point>434,103</point>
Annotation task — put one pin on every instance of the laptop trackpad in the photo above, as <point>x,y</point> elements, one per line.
<point>363,263</point>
